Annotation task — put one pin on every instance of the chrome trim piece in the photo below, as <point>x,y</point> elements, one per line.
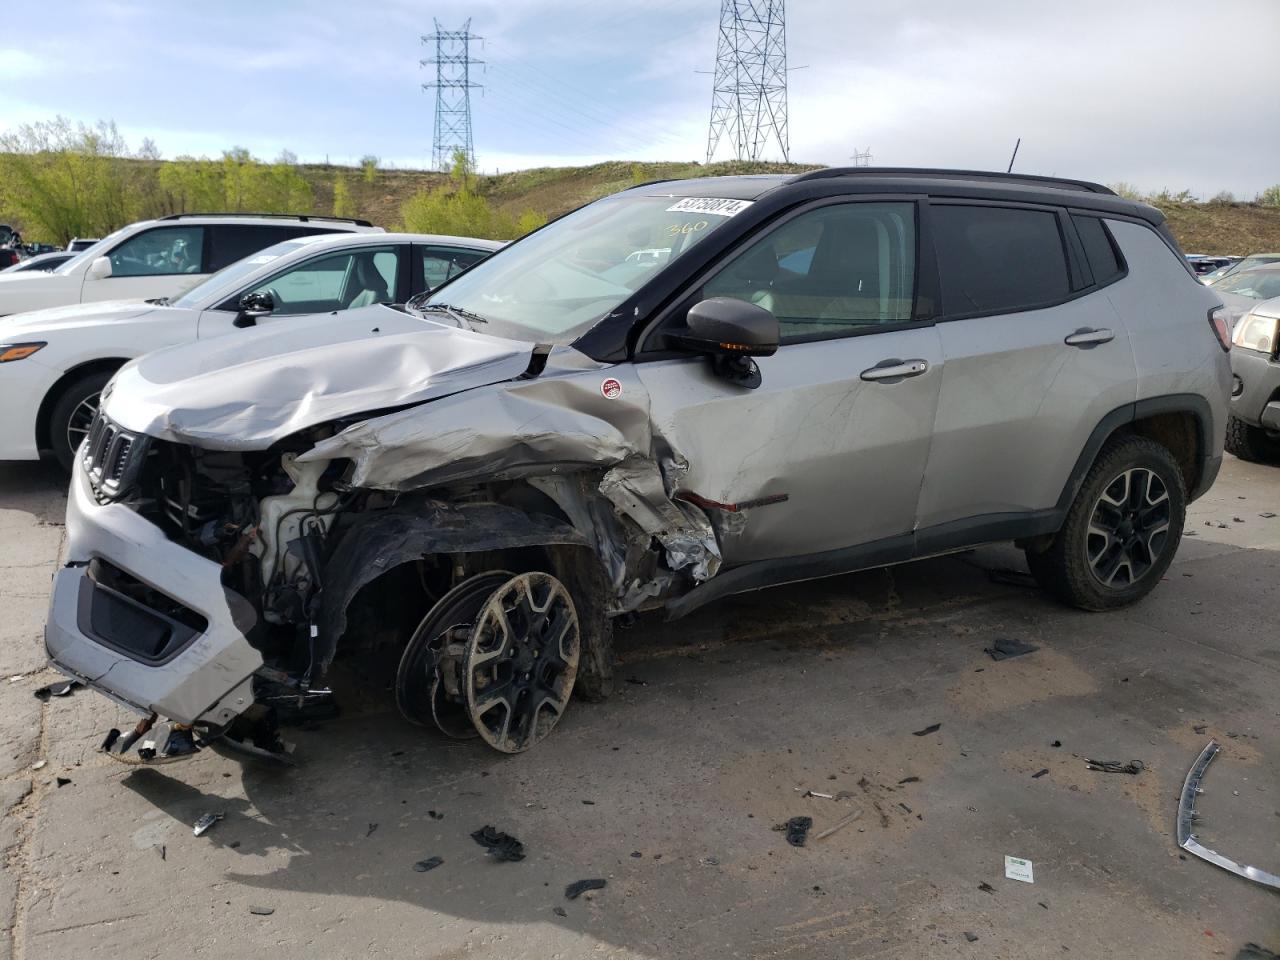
<point>1187,816</point>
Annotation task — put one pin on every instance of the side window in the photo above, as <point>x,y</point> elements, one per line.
<point>159,252</point>
<point>229,242</point>
<point>1099,249</point>
<point>340,281</point>
<point>998,259</point>
<point>831,271</point>
<point>441,263</point>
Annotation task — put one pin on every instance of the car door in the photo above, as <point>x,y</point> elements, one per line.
<point>327,283</point>
<point>827,453</point>
<point>434,264</point>
<point>1035,356</point>
<point>159,262</point>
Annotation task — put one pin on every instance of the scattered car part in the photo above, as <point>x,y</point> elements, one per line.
<point>1116,766</point>
<point>932,728</point>
<point>422,866</point>
<point>499,845</point>
<point>796,829</point>
<point>1187,816</point>
<point>1005,648</point>
<point>262,911</point>
<point>838,825</point>
<point>60,689</point>
<point>1040,773</point>
<point>206,821</point>
<point>579,887</point>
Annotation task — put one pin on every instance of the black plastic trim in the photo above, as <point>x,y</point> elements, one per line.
<point>95,601</point>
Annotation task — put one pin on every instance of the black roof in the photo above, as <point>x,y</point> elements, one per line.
<point>974,184</point>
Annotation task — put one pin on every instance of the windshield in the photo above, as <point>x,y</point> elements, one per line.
<point>89,253</point>
<point>554,285</point>
<point>1258,284</point>
<point>223,283</point>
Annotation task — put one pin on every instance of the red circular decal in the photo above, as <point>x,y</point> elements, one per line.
<point>611,388</point>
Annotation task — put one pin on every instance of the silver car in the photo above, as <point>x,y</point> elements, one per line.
<point>684,391</point>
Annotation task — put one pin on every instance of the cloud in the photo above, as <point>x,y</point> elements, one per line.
<point>20,64</point>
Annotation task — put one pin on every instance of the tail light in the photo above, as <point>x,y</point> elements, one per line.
<point>1221,329</point>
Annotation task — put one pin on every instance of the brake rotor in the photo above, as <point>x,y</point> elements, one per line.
<point>422,695</point>
<point>521,660</point>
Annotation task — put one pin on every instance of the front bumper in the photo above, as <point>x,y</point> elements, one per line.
<point>1258,379</point>
<point>197,676</point>
<point>23,386</point>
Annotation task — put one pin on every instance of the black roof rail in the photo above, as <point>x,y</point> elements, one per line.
<point>1059,182</point>
<point>304,217</point>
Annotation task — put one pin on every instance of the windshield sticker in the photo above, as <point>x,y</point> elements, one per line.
<point>718,206</point>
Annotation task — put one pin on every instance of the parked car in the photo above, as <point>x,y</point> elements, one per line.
<point>40,261</point>
<point>1242,263</point>
<point>470,489</point>
<point>50,399</point>
<point>1253,431</point>
<point>9,257</point>
<point>1203,265</point>
<point>35,249</point>
<point>78,244</point>
<point>1239,291</point>
<point>160,258</point>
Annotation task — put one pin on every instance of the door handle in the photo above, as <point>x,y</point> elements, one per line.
<point>895,370</point>
<point>1088,338</point>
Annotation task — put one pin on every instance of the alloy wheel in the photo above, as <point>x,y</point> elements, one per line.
<point>1128,528</point>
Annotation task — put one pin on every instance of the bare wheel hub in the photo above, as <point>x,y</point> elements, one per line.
<point>1128,529</point>
<point>520,661</point>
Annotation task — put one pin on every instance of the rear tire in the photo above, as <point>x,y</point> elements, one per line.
<point>1251,443</point>
<point>1121,532</point>
<point>72,414</point>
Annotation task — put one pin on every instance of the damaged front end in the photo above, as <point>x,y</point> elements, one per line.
<point>465,554</point>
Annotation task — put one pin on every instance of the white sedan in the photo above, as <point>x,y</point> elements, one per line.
<point>54,363</point>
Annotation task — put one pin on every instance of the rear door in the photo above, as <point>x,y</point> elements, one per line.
<point>229,242</point>
<point>827,453</point>
<point>1034,357</point>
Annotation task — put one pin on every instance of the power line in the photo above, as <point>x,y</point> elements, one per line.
<point>749,93</point>
<point>453,88</point>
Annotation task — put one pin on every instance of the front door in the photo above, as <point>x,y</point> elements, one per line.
<point>160,262</point>
<point>828,452</point>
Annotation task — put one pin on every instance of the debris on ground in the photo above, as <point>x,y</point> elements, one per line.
<point>1056,743</point>
<point>1015,868</point>
<point>62,781</point>
<point>369,831</point>
<point>932,728</point>
<point>1238,519</point>
<point>908,780</point>
<point>971,937</point>
<point>796,829</point>
<point>559,911</point>
<point>499,845</point>
<point>986,887</point>
<point>636,854</point>
<point>1006,647</point>
<point>202,825</point>
<point>262,911</point>
<point>579,887</point>
<point>838,825</point>
<point>163,851</point>
<point>422,866</point>
<point>820,796</point>
<point>1251,951</point>
<point>1116,766</point>
<point>435,815</point>
<point>1039,773</point>
<point>39,765</point>
<point>1012,578</point>
<point>1200,728</point>
<point>61,689</point>
<point>1267,516</point>
<point>637,681</point>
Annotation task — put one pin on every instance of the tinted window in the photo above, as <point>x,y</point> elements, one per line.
<point>158,252</point>
<point>233,241</point>
<point>441,263</point>
<point>832,270</point>
<point>339,281</point>
<point>998,260</point>
<point>1099,249</point>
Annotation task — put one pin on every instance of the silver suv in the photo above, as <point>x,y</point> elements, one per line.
<point>686,390</point>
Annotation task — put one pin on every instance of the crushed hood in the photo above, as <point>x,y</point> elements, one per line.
<point>245,391</point>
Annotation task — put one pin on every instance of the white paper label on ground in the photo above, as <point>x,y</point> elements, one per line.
<point>719,206</point>
<point>1015,868</point>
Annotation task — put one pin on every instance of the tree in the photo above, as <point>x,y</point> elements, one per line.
<point>369,166</point>
<point>1270,197</point>
<point>456,209</point>
<point>343,205</point>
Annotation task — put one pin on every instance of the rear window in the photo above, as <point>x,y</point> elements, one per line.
<point>234,241</point>
<point>998,259</point>
<point>1099,249</point>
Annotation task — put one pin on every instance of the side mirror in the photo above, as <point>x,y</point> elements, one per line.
<point>253,306</point>
<point>731,332</point>
<point>100,269</point>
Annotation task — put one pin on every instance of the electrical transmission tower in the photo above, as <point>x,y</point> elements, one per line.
<point>453,88</point>
<point>749,98</point>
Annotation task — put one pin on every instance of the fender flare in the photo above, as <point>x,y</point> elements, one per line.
<point>379,542</point>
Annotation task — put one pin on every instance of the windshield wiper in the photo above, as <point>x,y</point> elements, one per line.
<point>159,302</point>
<point>456,311</point>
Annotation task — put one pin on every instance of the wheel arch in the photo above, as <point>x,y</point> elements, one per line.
<point>45,412</point>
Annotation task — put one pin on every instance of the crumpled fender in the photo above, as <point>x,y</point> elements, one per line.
<point>379,542</point>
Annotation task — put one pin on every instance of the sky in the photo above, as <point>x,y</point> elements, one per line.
<point>1160,94</point>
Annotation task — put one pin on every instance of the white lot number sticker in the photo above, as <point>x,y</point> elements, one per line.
<point>718,206</point>
<point>1015,868</point>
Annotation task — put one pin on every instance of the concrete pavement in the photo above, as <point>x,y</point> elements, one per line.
<point>671,789</point>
